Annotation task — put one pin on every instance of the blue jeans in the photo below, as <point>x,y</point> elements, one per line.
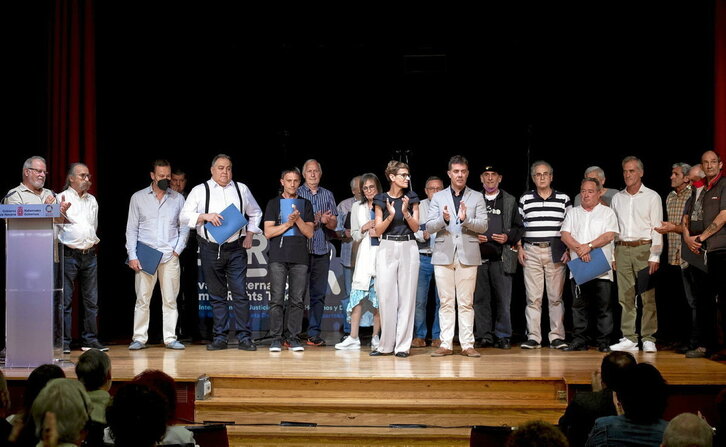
<point>221,268</point>
<point>425,275</point>
<point>318,283</point>
<point>287,318</point>
<point>84,268</point>
<point>347,285</point>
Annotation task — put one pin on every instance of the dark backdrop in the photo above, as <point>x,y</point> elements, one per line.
<point>575,85</point>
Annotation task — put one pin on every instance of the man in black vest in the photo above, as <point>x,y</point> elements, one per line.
<point>499,263</point>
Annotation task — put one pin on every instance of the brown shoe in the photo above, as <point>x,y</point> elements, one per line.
<point>470,352</point>
<point>418,343</point>
<point>436,342</point>
<point>441,352</point>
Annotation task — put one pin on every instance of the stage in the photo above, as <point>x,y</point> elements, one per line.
<point>349,397</point>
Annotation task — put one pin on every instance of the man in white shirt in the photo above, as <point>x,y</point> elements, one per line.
<point>587,227</point>
<point>224,263</point>
<point>79,256</point>
<point>154,221</point>
<point>638,247</point>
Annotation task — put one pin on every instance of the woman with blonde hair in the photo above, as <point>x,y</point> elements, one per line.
<point>397,260</point>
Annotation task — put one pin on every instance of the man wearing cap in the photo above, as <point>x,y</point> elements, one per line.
<point>498,263</point>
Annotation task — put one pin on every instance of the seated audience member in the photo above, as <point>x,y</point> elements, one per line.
<point>68,401</point>
<point>537,434</point>
<point>94,372</point>
<point>136,417</point>
<point>163,384</point>
<point>586,407</point>
<point>5,426</point>
<point>687,430</point>
<point>23,433</point>
<point>641,401</point>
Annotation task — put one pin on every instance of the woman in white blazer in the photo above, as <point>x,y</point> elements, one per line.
<point>362,226</point>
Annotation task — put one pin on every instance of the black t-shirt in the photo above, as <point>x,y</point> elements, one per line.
<point>399,225</point>
<point>293,249</point>
<point>491,249</point>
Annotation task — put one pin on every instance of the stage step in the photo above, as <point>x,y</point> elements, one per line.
<point>363,409</point>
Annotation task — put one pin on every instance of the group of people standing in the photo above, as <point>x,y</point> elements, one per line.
<point>395,244</point>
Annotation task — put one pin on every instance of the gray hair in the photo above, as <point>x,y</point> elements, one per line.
<point>687,430</point>
<point>595,180</point>
<point>354,181</point>
<point>540,163</point>
<point>71,171</point>
<point>67,399</point>
<point>29,162</point>
<point>685,167</point>
<point>312,160</point>
<point>635,159</point>
<point>218,156</point>
<point>597,170</point>
<point>699,171</point>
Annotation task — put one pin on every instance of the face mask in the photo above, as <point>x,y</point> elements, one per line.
<point>163,184</point>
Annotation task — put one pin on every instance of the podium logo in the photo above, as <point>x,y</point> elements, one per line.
<point>49,209</point>
<point>20,211</point>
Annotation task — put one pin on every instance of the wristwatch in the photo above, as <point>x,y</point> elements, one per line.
<point>590,245</point>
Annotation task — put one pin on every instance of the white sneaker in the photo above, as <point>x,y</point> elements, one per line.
<point>624,345</point>
<point>349,344</point>
<point>649,346</point>
<point>375,341</point>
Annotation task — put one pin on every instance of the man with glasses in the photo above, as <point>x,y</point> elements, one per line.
<point>543,255</point>
<point>79,256</point>
<point>31,190</point>
<point>426,272</point>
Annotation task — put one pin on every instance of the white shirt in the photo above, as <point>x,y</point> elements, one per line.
<point>80,231</point>
<point>220,197</point>
<point>585,226</point>
<point>638,214</point>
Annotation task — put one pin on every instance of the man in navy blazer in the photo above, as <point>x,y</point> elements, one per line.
<point>457,215</point>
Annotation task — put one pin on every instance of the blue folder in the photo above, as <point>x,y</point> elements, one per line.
<point>232,222</point>
<point>585,271</point>
<point>148,257</point>
<point>286,210</point>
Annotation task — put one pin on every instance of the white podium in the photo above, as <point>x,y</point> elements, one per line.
<point>33,286</point>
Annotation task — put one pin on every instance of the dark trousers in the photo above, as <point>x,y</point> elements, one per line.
<point>694,286</point>
<point>493,290</point>
<point>287,316</point>
<point>318,282</point>
<point>188,299</point>
<point>84,268</point>
<point>591,301</point>
<point>223,267</point>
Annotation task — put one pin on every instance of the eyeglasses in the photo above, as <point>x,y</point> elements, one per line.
<point>369,188</point>
<point>406,176</point>
<point>84,175</point>
<point>542,174</point>
<point>38,171</point>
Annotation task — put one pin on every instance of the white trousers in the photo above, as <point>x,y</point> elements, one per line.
<point>168,274</point>
<point>396,282</point>
<point>455,284</point>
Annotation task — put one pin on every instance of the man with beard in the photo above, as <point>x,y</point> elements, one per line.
<point>154,221</point>
<point>79,256</point>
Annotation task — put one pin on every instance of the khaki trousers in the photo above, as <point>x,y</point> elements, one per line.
<point>539,269</point>
<point>455,283</point>
<point>168,275</point>
<point>629,261</point>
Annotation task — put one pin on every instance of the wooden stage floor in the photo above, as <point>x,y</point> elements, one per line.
<point>326,362</point>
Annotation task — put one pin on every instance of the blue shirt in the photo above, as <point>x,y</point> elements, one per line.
<point>614,431</point>
<point>322,201</point>
<point>156,223</point>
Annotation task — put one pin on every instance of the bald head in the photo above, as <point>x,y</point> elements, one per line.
<point>687,430</point>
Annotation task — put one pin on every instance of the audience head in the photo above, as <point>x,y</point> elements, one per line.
<point>37,380</point>
<point>137,416</point>
<point>94,370</point>
<point>614,367</point>
<point>643,394</point>
<point>162,383</point>
<point>537,434</point>
<point>687,430</point>
<point>4,394</point>
<point>67,399</point>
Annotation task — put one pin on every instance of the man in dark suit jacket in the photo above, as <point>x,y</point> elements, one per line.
<point>585,407</point>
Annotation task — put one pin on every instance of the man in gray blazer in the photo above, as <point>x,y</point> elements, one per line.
<point>457,215</point>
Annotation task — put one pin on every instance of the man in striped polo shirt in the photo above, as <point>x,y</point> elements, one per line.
<point>543,255</point>
<point>325,218</point>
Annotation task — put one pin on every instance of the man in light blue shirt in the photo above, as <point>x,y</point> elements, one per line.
<point>154,221</point>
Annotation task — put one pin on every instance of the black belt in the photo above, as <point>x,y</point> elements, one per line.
<point>398,237</point>
<point>234,245</point>
<point>75,251</point>
<point>540,244</point>
<point>425,254</point>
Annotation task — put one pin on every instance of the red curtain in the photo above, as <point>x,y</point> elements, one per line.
<point>719,138</point>
<point>71,89</point>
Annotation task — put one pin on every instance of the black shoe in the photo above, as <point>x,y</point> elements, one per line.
<point>503,343</point>
<point>576,347</point>
<point>558,343</point>
<point>316,341</point>
<point>379,353</point>
<point>217,345</point>
<point>530,344</point>
<point>246,345</point>
<point>402,354</point>
<point>94,345</point>
<point>483,343</point>
<point>605,347</point>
